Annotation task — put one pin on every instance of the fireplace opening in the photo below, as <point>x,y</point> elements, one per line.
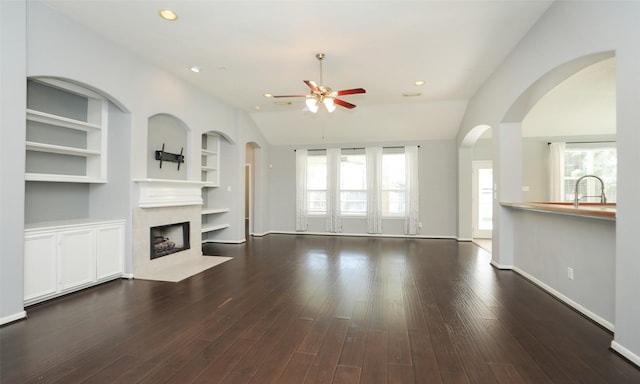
<point>168,239</point>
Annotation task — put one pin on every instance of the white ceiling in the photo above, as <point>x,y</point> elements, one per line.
<point>248,48</point>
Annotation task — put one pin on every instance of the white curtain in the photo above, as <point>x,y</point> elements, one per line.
<point>411,198</point>
<point>556,174</point>
<point>374,189</point>
<point>301,190</point>
<point>334,219</point>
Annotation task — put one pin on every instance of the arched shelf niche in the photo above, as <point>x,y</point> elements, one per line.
<point>167,147</point>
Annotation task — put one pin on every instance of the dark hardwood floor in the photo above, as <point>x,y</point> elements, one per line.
<point>316,309</point>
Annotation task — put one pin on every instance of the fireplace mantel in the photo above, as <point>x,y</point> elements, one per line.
<point>155,193</point>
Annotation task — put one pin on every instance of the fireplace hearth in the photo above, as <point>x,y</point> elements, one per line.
<point>168,239</point>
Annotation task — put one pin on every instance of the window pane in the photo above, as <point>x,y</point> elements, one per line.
<point>353,172</point>
<point>317,184</point>
<point>393,175</point>
<point>393,184</point>
<point>317,201</point>
<point>353,184</point>
<point>317,172</point>
<point>601,162</point>
<point>392,202</point>
<point>353,201</point>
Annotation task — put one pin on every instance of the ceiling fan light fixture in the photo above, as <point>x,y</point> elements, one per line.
<point>328,103</point>
<point>311,104</point>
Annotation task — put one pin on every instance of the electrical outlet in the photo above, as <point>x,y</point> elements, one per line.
<point>570,273</point>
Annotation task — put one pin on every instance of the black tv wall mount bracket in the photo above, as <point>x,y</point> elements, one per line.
<point>172,157</point>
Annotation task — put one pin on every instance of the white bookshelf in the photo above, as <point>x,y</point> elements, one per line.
<point>212,216</point>
<point>66,133</point>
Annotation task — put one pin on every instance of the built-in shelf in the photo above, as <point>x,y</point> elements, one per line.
<point>214,211</point>
<point>48,118</point>
<point>61,178</point>
<point>210,165</point>
<point>212,228</point>
<point>66,136</point>
<point>212,218</point>
<point>60,149</point>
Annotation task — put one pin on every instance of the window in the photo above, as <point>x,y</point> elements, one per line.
<point>600,161</point>
<point>353,184</point>
<point>317,184</point>
<point>393,184</point>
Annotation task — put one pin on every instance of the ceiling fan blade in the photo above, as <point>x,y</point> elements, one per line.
<point>350,91</point>
<point>312,84</point>
<point>277,96</point>
<point>343,103</point>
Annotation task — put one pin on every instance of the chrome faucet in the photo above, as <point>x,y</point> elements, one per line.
<point>576,199</point>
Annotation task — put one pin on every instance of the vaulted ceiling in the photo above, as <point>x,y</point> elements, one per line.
<point>248,48</point>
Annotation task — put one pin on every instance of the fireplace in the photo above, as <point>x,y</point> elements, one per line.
<point>168,239</point>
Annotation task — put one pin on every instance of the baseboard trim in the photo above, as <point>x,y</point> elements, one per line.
<point>225,241</point>
<point>573,304</point>
<point>501,266</point>
<point>11,318</point>
<point>345,234</point>
<point>624,352</point>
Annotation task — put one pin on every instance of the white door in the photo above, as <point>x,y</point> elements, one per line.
<point>482,199</point>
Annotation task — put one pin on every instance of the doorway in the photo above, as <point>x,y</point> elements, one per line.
<point>482,202</point>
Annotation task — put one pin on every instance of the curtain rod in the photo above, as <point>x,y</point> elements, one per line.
<point>352,148</point>
<point>587,142</point>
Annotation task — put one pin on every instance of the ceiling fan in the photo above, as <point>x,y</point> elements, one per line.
<point>323,95</point>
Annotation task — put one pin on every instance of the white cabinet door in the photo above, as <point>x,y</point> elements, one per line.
<point>40,253</point>
<point>109,251</point>
<point>77,258</point>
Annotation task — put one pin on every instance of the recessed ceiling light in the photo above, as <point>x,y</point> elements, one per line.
<point>168,14</point>
<point>195,69</point>
<point>268,95</point>
<point>419,83</point>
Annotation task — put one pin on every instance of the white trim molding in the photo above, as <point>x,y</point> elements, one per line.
<point>627,354</point>
<point>11,318</point>
<point>591,315</point>
<point>502,266</point>
<point>155,193</point>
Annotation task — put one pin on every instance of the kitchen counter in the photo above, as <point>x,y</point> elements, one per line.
<point>595,210</point>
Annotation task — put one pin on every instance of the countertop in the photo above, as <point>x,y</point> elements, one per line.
<point>594,210</point>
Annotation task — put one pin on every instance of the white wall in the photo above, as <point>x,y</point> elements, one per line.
<point>549,244</point>
<point>437,168</point>
<point>602,26</point>
<point>12,133</point>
